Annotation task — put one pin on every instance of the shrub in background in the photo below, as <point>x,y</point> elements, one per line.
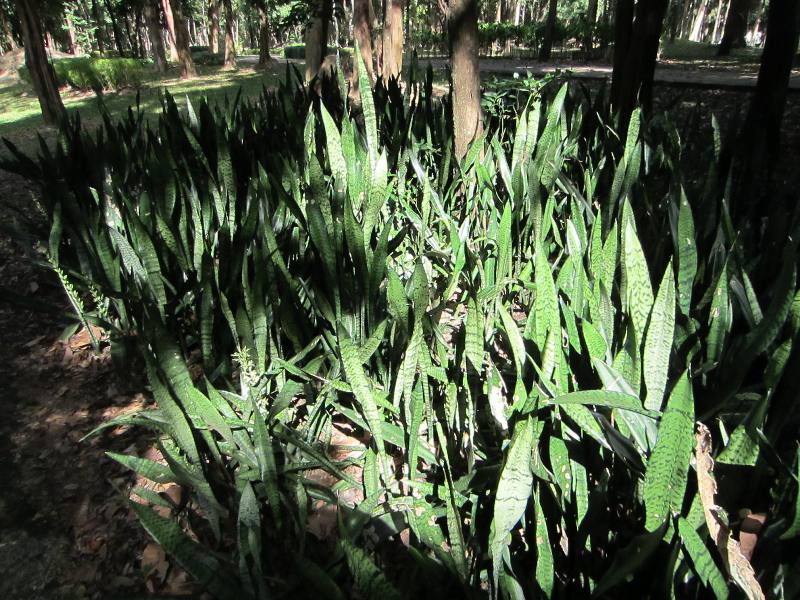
<point>93,73</point>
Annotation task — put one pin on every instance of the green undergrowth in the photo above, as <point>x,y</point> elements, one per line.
<point>486,372</point>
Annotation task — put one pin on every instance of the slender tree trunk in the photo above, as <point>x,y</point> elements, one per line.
<point>230,45</point>
<point>362,32</point>
<point>393,39</point>
<point>98,31</point>
<point>718,21</point>
<point>591,19</point>
<point>735,26</point>
<point>169,17</point>
<point>182,41</point>
<point>40,69</point>
<point>635,61</point>
<point>118,39</point>
<point>549,31</point>
<point>140,32</point>
<point>263,36</point>
<point>213,26</point>
<point>153,21</point>
<point>317,38</point>
<point>133,40</point>
<point>699,21</point>
<point>758,149</point>
<point>462,27</point>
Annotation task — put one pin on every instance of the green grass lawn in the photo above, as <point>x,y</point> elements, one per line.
<point>20,116</point>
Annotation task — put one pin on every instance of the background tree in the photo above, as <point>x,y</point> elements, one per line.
<point>263,32</point>
<point>462,29</point>
<point>637,33</point>
<point>362,33</point>
<point>758,147</point>
<point>591,19</point>
<point>316,37</point>
<point>230,44</point>
<point>735,26</point>
<point>152,17</point>
<point>213,26</point>
<point>393,39</point>
<point>40,69</point>
<point>182,41</point>
<point>549,30</point>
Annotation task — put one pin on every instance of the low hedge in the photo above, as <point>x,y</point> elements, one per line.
<point>90,73</point>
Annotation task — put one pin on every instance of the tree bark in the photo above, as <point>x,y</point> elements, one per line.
<point>462,27</point>
<point>759,141</point>
<point>393,39</point>
<point>153,21</point>
<point>591,19</point>
<point>182,41</point>
<point>362,32</point>
<point>718,21</point>
<point>263,36</point>
<point>42,75</point>
<point>230,45</point>
<point>317,38</point>
<point>549,31</point>
<point>169,17</point>
<point>118,38</point>
<point>98,29</point>
<point>213,26</point>
<point>735,26</point>
<point>635,52</point>
<point>699,21</point>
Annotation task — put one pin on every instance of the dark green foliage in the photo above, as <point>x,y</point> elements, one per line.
<point>517,344</point>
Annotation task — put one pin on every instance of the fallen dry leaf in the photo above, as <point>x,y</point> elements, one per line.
<point>736,563</point>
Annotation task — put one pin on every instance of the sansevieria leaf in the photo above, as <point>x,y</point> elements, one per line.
<point>658,342</point>
<point>513,490</point>
<point>667,467</point>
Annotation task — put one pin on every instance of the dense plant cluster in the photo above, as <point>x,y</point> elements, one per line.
<point>486,372</point>
<point>96,73</point>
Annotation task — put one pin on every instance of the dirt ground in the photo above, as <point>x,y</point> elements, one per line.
<point>66,532</point>
<point>65,529</point>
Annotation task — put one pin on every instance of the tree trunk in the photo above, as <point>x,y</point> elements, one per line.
<point>98,31</point>
<point>393,39</point>
<point>213,26</point>
<point>591,18</point>
<point>41,71</point>
<point>635,61</point>
<point>759,141</point>
<point>182,41</point>
<point>462,28</point>
<point>735,26</point>
<point>169,17</point>
<point>718,21</point>
<point>699,21</point>
<point>153,21</point>
<point>549,31</point>
<point>317,38</point>
<point>263,36</point>
<point>362,32</point>
<point>230,45</point>
<point>118,39</point>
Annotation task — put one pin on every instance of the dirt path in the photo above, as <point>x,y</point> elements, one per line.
<point>65,530</point>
